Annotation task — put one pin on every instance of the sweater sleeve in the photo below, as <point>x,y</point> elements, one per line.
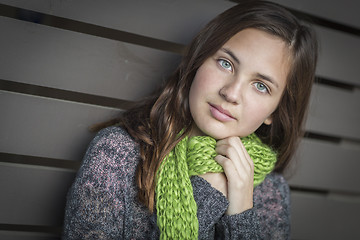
<point>100,203</point>
<point>268,219</point>
<point>272,205</point>
<point>211,206</point>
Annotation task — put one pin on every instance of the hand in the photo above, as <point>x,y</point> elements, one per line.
<point>238,184</point>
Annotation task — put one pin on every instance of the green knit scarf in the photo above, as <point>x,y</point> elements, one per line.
<point>175,204</point>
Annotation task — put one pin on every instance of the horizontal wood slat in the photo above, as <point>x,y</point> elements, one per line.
<point>334,112</point>
<point>175,21</point>
<point>44,56</point>
<point>54,93</point>
<point>338,58</point>
<point>44,127</point>
<point>33,195</point>
<point>39,161</point>
<point>324,217</point>
<point>86,28</point>
<point>16,235</point>
<point>343,12</point>
<point>326,166</point>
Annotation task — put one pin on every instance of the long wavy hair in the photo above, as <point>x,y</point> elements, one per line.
<point>155,122</point>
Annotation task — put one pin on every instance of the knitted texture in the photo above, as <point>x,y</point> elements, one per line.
<point>175,204</point>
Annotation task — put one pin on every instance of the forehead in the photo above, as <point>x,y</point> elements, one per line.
<point>261,52</point>
<point>259,39</point>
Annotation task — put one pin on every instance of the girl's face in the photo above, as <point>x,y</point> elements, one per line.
<point>240,86</point>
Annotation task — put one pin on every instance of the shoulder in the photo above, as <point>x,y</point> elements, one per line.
<point>113,137</point>
<point>274,181</point>
<point>272,204</point>
<point>113,141</point>
<point>273,195</point>
<point>274,186</point>
<point>111,151</point>
<point>102,197</point>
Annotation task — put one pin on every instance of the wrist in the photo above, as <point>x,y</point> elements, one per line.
<point>217,181</point>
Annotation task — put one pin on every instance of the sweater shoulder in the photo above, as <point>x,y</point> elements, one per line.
<point>272,204</point>
<point>274,188</point>
<point>275,182</point>
<point>112,152</point>
<point>114,137</point>
<point>113,141</point>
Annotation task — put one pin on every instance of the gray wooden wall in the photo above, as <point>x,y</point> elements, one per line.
<point>65,65</point>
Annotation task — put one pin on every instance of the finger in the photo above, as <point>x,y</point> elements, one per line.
<point>247,156</point>
<point>234,149</point>
<point>238,168</point>
<point>246,152</point>
<point>232,155</point>
<point>236,143</point>
<point>239,186</point>
<point>230,142</point>
<point>229,168</point>
<point>237,180</point>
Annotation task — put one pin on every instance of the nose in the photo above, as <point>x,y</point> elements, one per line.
<point>231,92</point>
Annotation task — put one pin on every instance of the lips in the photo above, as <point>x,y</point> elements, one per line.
<point>220,114</point>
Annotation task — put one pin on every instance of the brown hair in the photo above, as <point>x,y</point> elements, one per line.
<point>157,120</point>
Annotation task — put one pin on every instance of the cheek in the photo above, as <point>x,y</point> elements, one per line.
<point>259,112</point>
<point>193,94</point>
<point>206,77</point>
<point>199,85</point>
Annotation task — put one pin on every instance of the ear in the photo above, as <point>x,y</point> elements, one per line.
<point>268,121</point>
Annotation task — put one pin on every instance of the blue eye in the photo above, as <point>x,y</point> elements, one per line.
<point>261,87</point>
<point>225,64</point>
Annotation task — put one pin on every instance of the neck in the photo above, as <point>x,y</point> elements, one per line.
<point>195,131</point>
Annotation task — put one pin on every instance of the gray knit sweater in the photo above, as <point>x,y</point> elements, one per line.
<point>102,202</point>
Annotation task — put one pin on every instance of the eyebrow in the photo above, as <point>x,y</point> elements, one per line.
<point>231,54</point>
<point>259,75</point>
<point>267,78</point>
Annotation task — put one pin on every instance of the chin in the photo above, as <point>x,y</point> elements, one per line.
<point>222,134</point>
<point>216,135</point>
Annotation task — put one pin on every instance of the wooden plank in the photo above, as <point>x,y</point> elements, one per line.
<point>176,21</point>
<point>51,57</point>
<point>44,127</point>
<point>324,217</point>
<point>12,235</point>
<point>326,166</point>
<point>334,112</point>
<point>339,54</point>
<point>345,11</point>
<point>33,195</point>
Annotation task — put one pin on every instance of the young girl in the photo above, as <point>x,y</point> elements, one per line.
<point>185,163</point>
